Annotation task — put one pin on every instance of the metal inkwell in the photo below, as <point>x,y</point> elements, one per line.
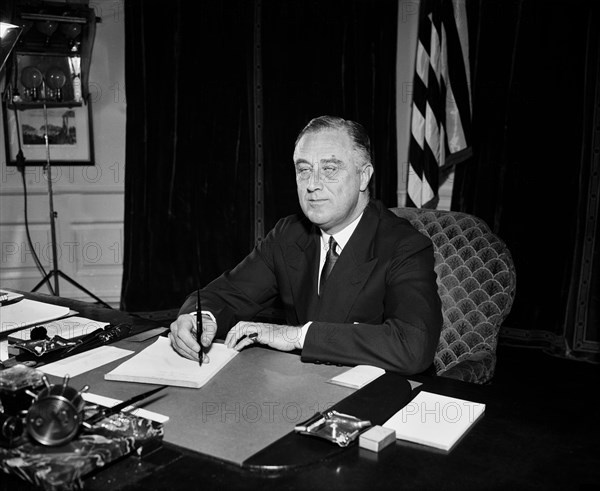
<point>52,435</point>
<point>56,414</point>
<point>333,426</point>
<point>49,414</point>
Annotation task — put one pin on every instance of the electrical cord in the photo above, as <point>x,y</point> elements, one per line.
<point>21,169</point>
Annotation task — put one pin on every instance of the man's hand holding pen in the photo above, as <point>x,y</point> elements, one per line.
<point>183,336</point>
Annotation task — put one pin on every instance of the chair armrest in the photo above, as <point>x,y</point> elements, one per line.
<point>477,368</point>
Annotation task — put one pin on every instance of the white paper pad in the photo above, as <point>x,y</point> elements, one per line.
<point>84,362</point>
<point>435,420</point>
<point>110,402</point>
<point>27,312</point>
<point>358,376</point>
<point>160,364</point>
<point>4,350</point>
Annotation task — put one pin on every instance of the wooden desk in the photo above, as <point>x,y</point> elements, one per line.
<point>537,433</point>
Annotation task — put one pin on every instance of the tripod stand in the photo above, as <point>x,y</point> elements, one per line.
<point>55,272</point>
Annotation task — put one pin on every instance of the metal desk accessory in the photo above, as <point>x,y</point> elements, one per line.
<point>333,426</point>
<point>50,414</point>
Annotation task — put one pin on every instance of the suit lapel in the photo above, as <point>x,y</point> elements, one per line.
<point>351,271</point>
<point>302,263</point>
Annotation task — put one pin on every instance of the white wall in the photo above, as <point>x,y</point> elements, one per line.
<point>88,200</point>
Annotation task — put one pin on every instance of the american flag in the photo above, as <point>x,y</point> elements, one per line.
<point>441,107</point>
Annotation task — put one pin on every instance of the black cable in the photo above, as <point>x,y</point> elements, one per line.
<point>33,253</point>
<point>21,169</point>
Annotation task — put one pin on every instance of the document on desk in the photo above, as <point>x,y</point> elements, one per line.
<point>160,364</point>
<point>357,376</point>
<point>84,362</point>
<point>27,312</point>
<point>435,420</point>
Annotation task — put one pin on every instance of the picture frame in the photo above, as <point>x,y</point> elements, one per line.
<point>70,139</point>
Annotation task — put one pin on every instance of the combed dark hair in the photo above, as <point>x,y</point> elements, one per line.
<point>354,130</point>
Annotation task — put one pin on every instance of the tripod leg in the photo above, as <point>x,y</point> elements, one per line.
<point>82,288</point>
<point>45,279</point>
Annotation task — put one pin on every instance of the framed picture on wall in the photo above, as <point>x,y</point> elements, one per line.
<point>68,129</point>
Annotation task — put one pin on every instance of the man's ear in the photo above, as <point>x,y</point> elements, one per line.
<point>365,176</point>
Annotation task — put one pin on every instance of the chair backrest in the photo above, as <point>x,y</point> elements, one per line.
<point>476,283</point>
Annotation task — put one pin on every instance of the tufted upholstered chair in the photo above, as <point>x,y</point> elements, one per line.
<point>476,283</point>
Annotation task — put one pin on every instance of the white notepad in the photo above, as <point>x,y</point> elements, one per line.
<point>435,420</point>
<point>27,312</point>
<point>358,376</point>
<point>84,362</point>
<point>160,364</point>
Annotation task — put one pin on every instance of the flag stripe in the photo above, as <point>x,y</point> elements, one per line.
<point>458,77</point>
<point>441,119</point>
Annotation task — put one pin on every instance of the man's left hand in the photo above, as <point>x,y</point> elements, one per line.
<point>281,337</point>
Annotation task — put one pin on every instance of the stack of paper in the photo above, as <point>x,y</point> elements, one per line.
<point>27,312</point>
<point>84,362</point>
<point>160,364</point>
<point>358,376</point>
<point>435,420</point>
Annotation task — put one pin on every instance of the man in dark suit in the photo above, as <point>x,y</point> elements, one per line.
<point>378,306</point>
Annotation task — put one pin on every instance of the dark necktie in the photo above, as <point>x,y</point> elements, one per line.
<point>332,257</point>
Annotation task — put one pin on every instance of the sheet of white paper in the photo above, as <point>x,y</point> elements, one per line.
<point>358,376</point>
<point>27,312</point>
<point>110,402</point>
<point>3,350</point>
<point>84,362</point>
<point>435,420</point>
<point>160,364</point>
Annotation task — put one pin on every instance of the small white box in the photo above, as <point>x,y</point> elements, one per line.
<point>376,438</point>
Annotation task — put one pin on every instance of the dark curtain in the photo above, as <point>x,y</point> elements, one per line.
<point>192,104</point>
<point>333,57</point>
<point>188,155</point>
<point>534,174</point>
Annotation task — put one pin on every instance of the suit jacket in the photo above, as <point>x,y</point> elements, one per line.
<point>380,305</point>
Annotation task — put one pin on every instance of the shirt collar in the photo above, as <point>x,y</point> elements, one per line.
<point>342,237</point>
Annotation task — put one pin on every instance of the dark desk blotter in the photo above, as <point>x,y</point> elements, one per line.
<point>376,402</point>
<point>62,468</point>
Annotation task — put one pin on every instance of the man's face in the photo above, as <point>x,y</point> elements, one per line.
<point>331,188</point>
